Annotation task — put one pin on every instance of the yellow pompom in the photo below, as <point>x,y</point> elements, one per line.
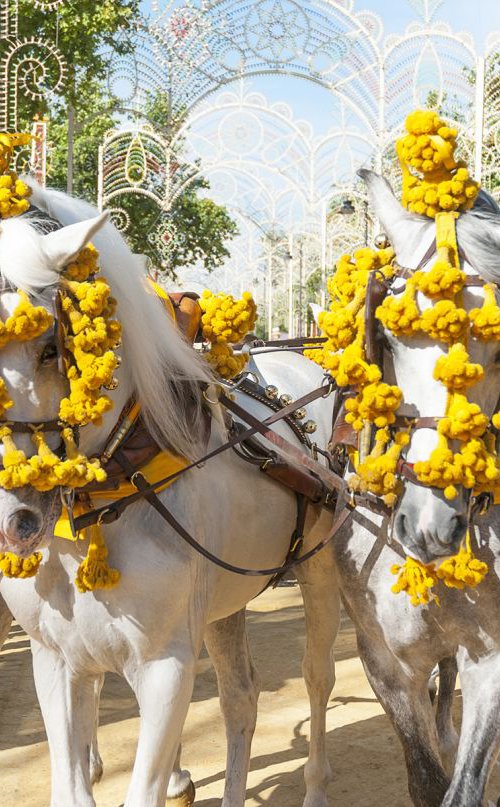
<point>444,321</point>
<point>12,565</point>
<point>486,320</point>
<point>455,370</point>
<point>463,569</point>
<point>417,580</point>
<point>443,280</point>
<point>225,321</point>
<point>400,314</point>
<point>375,403</point>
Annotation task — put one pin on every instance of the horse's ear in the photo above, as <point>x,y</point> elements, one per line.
<point>63,245</point>
<point>387,209</point>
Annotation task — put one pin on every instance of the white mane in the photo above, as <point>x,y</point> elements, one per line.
<point>478,230</point>
<point>157,357</point>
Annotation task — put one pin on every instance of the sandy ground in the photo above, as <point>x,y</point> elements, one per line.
<point>364,752</point>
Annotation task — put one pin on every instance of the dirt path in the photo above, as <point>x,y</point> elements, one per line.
<point>363,750</point>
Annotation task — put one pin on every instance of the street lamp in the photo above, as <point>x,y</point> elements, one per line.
<point>346,208</point>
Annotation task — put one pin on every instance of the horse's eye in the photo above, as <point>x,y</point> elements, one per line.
<point>49,353</point>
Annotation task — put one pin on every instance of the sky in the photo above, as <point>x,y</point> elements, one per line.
<point>478,17</point>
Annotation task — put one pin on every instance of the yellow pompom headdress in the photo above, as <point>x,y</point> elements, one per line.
<point>435,184</point>
<point>89,336</point>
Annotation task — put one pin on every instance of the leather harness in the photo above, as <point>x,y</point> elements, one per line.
<point>130,445</point>
<point>344,437</point>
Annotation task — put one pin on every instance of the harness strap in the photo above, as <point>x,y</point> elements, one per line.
<point>111,512</point>
<point>331,479</point>
<point>144,489</point>
<point>328,477</point>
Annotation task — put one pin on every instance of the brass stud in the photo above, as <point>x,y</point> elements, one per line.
<point>285,399</point>
<point>309,426</point>
<point>299,414</point>
<point>113,384</point>
<point>271,392</point>
<point>382,241</point>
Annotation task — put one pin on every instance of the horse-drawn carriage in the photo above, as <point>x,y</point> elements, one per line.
<point>126,545</point>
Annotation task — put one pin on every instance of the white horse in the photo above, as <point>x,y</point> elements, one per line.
<point>400,644</point>
<point>151,626</point>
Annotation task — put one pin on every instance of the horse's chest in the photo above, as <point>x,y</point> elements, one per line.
<point>107,630</point>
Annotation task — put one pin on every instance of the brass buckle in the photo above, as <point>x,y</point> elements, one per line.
<point>134,476</point>
<point>100,517</point>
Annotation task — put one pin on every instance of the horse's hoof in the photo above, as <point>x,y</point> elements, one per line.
<point>185,799</point>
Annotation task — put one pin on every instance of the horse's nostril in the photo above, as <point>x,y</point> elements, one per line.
<point>25,523</point>
<point>400,526</point>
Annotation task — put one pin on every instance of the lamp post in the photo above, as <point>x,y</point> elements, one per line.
<point>301,281</point>
<point>269,294</point>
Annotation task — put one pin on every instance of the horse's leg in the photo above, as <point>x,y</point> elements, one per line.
<point>480,731</point>
<point>322,615</point>
<point>67,704</point>
<point>407,703</point>
<point>227,644</point>
<point>447,735</point>
<point>96,767</point>
<point>180,791</point>
<point>5,621</point>
<point>163,688</point>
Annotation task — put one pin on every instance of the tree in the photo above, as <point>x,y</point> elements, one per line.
<point>202,228</point>
<point>87,33</point>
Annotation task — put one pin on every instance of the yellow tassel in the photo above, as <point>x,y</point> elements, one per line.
<point>13,566</point>
<point>463,569</point>
<point>77,470</point>
<point>44,464</point>
<point>17,471</point>
<point>94,572</point>
<point>417,580</point>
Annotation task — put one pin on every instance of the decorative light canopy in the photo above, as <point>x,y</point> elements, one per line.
<point>32,66</point>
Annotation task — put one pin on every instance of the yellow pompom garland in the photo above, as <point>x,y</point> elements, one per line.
<point>433,180</point>
<point>434,184</point>
<point>226,321</point>
<point>91,336</point>
<point>459,571</point>
<point>14,192</point>
<point>417,580</point>
<point>13,566</point>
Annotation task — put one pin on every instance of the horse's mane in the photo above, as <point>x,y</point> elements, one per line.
<point>164,369</point>
<point>479,237</point>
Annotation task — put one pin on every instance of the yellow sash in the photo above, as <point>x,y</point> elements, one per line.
<point>162,465</point>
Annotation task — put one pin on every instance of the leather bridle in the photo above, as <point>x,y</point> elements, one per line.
<point>377,289</point>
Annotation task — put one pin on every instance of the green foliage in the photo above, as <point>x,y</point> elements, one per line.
<point>83,32</point>
<point>86,33</point>
<point>202,227</point>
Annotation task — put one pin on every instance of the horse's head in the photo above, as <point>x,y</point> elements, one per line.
<point>431,522</point>
<point>30,266</point>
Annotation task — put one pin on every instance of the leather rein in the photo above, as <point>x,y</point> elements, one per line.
<point>330,482</point>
